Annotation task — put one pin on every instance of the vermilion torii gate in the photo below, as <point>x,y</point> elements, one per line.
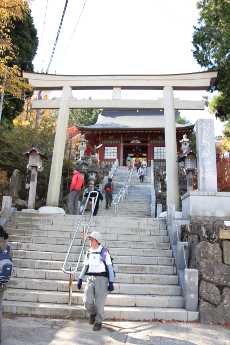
<point>165,82</point>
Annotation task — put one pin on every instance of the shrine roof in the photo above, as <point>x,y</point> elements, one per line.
<point>130,119</point>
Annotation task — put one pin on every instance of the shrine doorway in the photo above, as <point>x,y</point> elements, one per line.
<point>137,151</point>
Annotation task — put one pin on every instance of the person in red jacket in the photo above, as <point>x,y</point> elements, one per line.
<point>76,186</point>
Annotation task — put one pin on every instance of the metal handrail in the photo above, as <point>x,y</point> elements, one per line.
<point>123,192</point>
<point>114,168</point>
<point>72,269</point>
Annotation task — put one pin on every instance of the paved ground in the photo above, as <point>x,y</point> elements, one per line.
<point>31,331</point>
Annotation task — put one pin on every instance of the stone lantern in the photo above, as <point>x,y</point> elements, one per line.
<point>187,161</point>
<point>34,165</point>
<point>190,168</point>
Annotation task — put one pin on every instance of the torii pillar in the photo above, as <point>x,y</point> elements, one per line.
<point>171,149</point>
<point>59,148</point>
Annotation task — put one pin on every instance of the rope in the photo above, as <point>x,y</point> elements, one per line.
<point>58,33</point>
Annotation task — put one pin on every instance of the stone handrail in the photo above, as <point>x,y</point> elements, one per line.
<point>188,278</point>
<point>6,211</point>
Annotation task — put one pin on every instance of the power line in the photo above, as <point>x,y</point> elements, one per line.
<point>78,20</point>
<point>44,20</point>
<point>43,32</point>
<point>58,33</point>
<point>66,47</point>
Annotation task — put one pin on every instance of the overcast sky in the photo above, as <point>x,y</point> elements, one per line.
<point>118,37</point>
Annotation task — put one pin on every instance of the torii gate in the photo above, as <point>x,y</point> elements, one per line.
<point>165,82</point>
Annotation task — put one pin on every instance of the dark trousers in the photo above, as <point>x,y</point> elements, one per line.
<point>73,202</point>
<point>108,199</point>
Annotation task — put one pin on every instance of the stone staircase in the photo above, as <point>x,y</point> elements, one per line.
<point>146,286</point>
<point>137,203</point>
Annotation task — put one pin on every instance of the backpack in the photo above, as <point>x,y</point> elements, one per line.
<point>103,255</point>
<point>108,188</point>
<point>6,265</point>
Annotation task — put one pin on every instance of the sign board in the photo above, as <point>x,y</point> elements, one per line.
<point>224,234</point>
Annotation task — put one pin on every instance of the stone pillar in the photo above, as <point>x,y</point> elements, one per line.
<point>171,149</point>
<point>206,155</point>
<point>59,149</point>
<point>33,187</point>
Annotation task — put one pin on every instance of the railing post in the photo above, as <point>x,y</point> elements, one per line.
<point>6,210</point>
<point>191,289</point>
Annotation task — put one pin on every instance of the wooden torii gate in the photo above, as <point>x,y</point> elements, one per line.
<point>165,82</point>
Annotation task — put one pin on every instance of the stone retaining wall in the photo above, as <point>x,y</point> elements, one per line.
<point>210,254</point>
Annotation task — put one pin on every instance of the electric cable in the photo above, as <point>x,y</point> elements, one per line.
<point>44,21</point>
<point>58,33</point>
<point>43,32</point>
<point>78,21</point>
<point>66,48</point>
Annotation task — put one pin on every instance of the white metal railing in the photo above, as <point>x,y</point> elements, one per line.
<point>70,266</point>
<point>114,168</point>
<point>122,193</point>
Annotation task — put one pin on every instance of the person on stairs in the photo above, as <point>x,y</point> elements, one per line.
<point>76,186</point>
<point>5,267</point>
<point>108,189</point>
<point>141,174</point>
<point>100,277</point>
<point>90,190</point>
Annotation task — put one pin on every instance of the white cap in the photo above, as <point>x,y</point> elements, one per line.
<point>96,235</point>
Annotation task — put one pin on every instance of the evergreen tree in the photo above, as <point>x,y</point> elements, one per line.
<point>211,40</point>
<point>18,47</point>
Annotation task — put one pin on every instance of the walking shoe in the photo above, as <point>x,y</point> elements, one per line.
<point>92,319</point>
<point>97,327</point>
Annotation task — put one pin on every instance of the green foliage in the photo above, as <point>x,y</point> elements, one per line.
<point>24,40</point>
<point>227,130</point>
<point>83,117</point>
<point>16,141</point>
<point>211,40</point>
<point>182,120</point>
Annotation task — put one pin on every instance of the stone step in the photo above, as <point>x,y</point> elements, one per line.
<point>128,278</point>
<point>67,232</point>
<point>111,244</point>
<point>121,268</point>
<point>28,217</point>
<point>46,255</point>
<point>69,221</point>
<point>120,288</point>
<point>57,264</point>
<point>120,227</point>
<point>106,237</point>
<point>111,313</point>
<point>77,299</point>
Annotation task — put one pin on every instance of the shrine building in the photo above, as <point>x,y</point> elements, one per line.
<point>138,133</point>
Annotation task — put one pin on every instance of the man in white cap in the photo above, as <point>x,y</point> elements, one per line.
<point>100,276</point>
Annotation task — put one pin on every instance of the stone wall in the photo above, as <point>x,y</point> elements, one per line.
<point>210,254</point>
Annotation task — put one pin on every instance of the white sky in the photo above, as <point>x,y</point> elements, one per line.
<point>119,37</point>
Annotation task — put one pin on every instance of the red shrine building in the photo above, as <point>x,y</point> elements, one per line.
<point>138,133</point>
